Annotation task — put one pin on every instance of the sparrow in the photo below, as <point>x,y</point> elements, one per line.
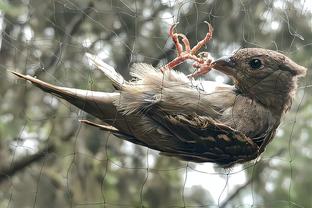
<point>193,120</point>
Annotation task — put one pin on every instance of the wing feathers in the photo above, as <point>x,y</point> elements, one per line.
<point>109,71</point>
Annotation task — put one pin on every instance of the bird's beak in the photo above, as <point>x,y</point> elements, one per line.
<point>226,65</point>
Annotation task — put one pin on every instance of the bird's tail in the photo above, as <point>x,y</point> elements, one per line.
<point>109,71</point>
<point>98,104</point>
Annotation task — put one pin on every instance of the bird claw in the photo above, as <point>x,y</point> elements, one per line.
<point>202,60</point>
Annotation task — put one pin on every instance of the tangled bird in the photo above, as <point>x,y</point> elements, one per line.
<point>199,121</point>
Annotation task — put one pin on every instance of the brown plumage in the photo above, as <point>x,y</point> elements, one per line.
<point>198,121</point>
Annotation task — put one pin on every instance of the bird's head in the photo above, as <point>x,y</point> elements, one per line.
<point>264,75</point>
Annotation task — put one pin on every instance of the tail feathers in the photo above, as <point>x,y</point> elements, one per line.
<point>109,71</point>
<point>98,104</point>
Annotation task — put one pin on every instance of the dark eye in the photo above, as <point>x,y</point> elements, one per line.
<point>255,63</point>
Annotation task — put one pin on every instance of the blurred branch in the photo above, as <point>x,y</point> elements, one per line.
<point>241,188</point>
<point>257,173</point>
<point>11,170</point>
<point>7,172</point>
<point>116,32</point>
<point>70,30</point>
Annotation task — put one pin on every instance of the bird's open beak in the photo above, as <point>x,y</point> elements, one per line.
<point>226,65</point>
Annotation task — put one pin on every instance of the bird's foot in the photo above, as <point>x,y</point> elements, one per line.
<point>202,60</point>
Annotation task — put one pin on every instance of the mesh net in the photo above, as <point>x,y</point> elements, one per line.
<point>50,159</point>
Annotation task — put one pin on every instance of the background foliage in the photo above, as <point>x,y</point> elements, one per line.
<point>48,159</point>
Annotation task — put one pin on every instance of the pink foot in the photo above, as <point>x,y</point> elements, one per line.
<point>202,62</point>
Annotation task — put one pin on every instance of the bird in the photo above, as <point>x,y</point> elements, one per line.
<point>190,119</point>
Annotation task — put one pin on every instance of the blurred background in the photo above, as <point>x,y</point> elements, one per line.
<point>48,159</point>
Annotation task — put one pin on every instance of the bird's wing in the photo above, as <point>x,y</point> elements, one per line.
<point>201,139</point>
<point>118,133</point>
<point>192,138</point>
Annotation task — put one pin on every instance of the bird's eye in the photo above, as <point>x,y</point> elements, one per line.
<point>255,63</point>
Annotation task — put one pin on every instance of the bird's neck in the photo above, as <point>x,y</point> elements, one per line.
<point>277,99</point>
<point>278,102</point>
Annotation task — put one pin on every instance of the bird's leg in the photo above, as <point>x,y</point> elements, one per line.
<point>202,67</point>
<point>202,62</point>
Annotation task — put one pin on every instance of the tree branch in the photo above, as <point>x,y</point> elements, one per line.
<point>7,172</point>
<point>238,190</point>
<point>260,167</point>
